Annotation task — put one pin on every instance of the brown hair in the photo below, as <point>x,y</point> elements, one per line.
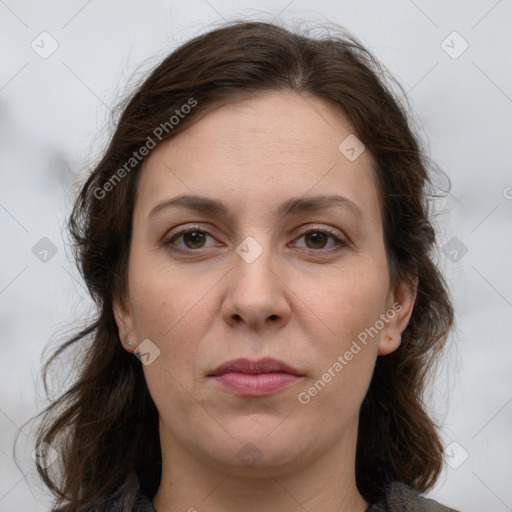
<point>105,426</point>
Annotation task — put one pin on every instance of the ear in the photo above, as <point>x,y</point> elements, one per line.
<point>400,305</point>
<point>125,323</point>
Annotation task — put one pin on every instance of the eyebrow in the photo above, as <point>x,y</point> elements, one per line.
<point>292,206</point>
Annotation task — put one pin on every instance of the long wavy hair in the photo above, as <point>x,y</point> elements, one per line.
<point>105,426</point>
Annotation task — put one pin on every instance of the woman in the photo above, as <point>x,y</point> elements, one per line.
<point>257,241</point>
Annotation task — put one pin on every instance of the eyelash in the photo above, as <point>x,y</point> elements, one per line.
<point>194,229</point>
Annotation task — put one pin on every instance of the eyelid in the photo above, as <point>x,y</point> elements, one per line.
<point>325,229</point>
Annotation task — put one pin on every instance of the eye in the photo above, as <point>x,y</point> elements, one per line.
<point>193,238</point>
<point>316,240</point>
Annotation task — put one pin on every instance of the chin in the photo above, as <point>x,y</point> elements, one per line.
<point>257,447</point>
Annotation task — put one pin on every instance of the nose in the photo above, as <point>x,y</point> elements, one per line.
<point>258,293</point>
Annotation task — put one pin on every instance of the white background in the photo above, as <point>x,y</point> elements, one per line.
<point>53,114</point>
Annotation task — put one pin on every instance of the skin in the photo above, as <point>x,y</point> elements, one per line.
<point>208,305</point>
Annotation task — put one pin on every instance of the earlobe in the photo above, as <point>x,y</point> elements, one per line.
<point>399,311</point>
<point>388,344</point>
<point>124,321</point>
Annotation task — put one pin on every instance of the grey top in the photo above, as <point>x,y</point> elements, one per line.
<point>399,497</point>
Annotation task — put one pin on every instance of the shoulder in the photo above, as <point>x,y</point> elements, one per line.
<point>401,497</point>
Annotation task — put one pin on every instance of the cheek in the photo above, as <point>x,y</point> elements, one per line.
<point>349,306</point>
<point>163,298</point>
<point>352,300</point>
<point>164,309</point>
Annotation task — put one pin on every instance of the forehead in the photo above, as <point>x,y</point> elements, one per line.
<point>259,150</point>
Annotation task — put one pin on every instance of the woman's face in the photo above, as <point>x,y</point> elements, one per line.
<point>272,270</point>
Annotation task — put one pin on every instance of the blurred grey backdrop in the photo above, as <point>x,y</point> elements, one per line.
<point>65,63</point>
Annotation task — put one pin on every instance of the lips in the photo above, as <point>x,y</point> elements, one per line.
<point>247,378</point>
<point>267,365</point>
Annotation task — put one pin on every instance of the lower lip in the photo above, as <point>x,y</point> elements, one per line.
<point>245,384</point>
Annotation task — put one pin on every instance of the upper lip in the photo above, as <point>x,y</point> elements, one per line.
<point>266,365</point>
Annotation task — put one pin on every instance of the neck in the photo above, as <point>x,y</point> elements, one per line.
<point>325,483</point>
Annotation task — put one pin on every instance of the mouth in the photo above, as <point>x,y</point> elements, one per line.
<point>255,378</point>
